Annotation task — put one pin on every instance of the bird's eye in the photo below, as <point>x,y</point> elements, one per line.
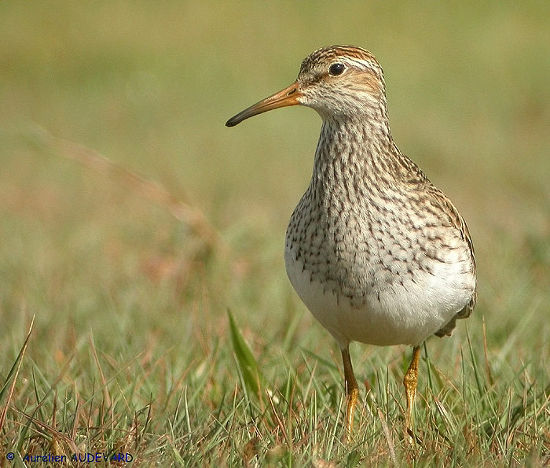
<point>336,69</point>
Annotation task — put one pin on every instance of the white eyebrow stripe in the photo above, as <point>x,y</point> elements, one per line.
<point>358,63</point>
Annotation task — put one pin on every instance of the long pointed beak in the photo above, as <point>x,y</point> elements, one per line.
<point>286,97</point>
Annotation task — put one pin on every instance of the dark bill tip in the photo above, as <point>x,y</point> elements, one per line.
<point>233,121</point>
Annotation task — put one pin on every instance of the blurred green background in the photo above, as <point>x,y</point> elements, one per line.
<point>151,84</point>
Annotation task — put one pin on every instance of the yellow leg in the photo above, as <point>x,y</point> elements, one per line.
<point>352,390</point>
<point>409,381</point>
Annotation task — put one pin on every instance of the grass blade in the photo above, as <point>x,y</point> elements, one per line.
<point>248,366</point>
<point>14,371</point>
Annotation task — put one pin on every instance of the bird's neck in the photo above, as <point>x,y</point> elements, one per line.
<point>350,149</point>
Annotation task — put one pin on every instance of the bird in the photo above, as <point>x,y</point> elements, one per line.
<point>375,251</point>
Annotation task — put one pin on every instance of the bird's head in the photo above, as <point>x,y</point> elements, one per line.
<point>337,81</point>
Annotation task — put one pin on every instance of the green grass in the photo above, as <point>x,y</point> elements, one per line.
<point>131,348</point>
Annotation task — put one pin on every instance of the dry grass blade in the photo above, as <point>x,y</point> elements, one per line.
<point>106,395</point>
<point>48,428</point>
<point>279,420</point>
<point>14,372</point>
<point>387,434</point>
<point>182,211</point>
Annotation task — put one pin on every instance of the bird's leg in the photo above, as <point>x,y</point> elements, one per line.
<point>352,390</point>
<point>409,381</point>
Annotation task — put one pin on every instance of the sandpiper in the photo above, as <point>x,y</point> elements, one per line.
<point>376,252</point>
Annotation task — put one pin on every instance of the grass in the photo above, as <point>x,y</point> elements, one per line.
<point>128,286</point>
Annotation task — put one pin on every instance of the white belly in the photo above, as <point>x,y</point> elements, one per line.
<point>387,314</point>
